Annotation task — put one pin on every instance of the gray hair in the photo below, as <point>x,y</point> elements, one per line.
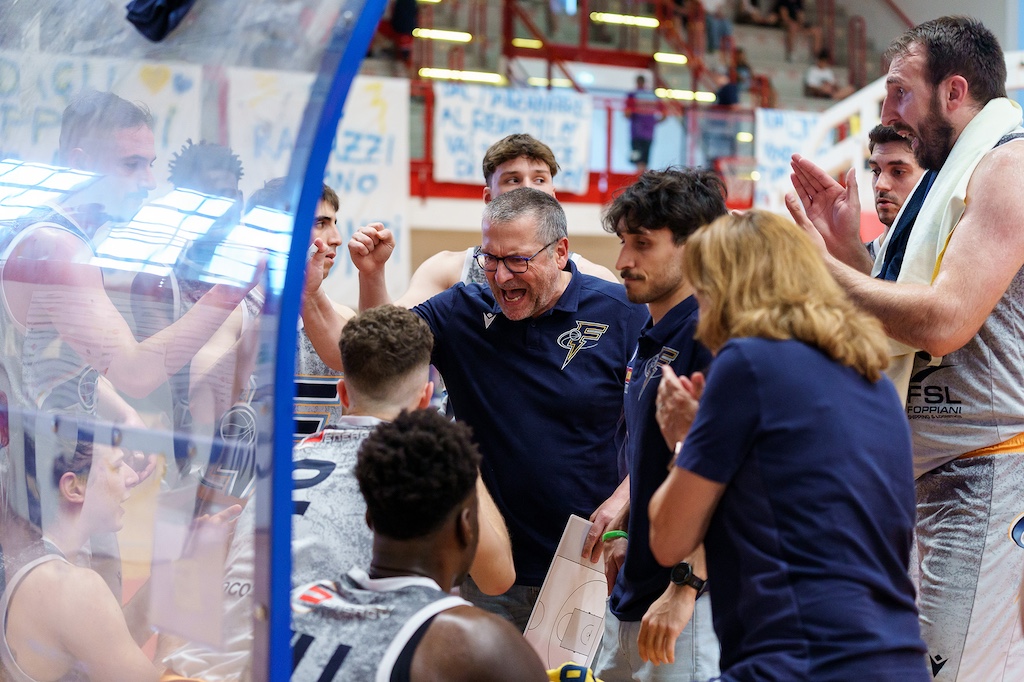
<point>529,202</point>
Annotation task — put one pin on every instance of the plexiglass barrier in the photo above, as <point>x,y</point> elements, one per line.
<point>150,279</point>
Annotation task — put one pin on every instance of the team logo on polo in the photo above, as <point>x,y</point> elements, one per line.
<point>665,357</point>
<point>584,335</point>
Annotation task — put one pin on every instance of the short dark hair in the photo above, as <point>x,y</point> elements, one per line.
<point>187,166</point>
<point>275,193</point>
<point>514,146</point>
<point>92,114</point>
<point>679,199</point>
<point>381,346</point>
<point>329,196</point>
<point>882,134</point>
<point>414,471</point>
<point>957,45</point>
<point>72,456</point>
<point>527,201</point>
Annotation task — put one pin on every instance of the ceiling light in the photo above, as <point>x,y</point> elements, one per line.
<point>670,58</point>
<point>438,34</point>
<point>468,76</point>
<point>542,82</point>
<point>744,137</point>
<point>624,19</point>
<point>527,43</point>
<point>687,95</point>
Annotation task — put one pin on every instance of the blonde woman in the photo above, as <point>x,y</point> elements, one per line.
<point>795,473</point>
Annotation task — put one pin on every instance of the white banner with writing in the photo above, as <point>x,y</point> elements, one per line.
<point>778,134</point>
<point>368,166</point>
<point>470,118</point>
<point>35,89</point>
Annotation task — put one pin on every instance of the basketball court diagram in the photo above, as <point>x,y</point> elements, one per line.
<point>568,619</point>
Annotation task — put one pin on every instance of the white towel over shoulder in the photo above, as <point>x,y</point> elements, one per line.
<point>942,210</point>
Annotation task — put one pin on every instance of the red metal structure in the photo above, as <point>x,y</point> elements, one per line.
<point>858,50</point>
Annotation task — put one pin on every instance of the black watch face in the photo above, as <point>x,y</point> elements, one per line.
<point>681,572</point>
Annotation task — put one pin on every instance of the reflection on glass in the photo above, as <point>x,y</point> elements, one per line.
<point>135,358</point>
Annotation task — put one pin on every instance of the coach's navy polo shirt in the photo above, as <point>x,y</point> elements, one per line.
<point>543,396</point>
<point>641,579</point>
<point>809,545</point>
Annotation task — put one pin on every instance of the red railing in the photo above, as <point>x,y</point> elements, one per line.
<point>899,13</point>
<point>827,23</point>
<point>858,51</point>
<point>512,12</point>
<point>478,27</point>
<point>603,182</point>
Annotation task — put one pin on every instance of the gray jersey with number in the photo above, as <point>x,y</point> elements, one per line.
<point>317,405</point>
<point>357,627</point>
<point>329,531</point>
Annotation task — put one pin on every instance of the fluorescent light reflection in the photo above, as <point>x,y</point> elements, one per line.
<point>686,95</point>
<point>670,58</point>
<point>439,34</point>
<point>623,19</point>
<point>466,76</point>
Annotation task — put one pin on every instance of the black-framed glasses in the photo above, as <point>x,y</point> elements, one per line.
<point>517,265</point>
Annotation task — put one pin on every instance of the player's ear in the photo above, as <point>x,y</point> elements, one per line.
<point>487,194</point>
<point>428,393</point>
<point>464,530</point>
<point>369,521</point>
<point>72,487</point>
<point>343,395</point>
<point>957,91</point>
<point>78,158</point>
<point>562,252</point>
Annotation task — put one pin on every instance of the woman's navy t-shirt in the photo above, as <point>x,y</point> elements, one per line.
<point>808,548</point>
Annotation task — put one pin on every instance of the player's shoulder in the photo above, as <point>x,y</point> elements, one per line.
<point>447,260</point>
<point>487,645</point>
<point>64,586</point>
<point>1005,157</point>
<point>444,268</point>
<point>596,290</point>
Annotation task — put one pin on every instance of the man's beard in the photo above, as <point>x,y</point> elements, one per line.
<point>935,138</point>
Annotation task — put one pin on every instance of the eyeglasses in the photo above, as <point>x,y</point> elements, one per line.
<point>517,265</point>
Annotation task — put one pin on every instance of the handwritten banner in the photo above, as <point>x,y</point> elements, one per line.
<point>368,166</point>
<point>34,91</point>
<point>470,118</point>
<point>778,135</point>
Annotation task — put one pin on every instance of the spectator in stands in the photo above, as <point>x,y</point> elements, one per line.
<point>689,16</point>
<point>644,111</point>
<point>717,22</point>
<point>750,12</point>
<point>733,80</point>
<point>792,17</point>
<point>820,80</point>
<point>404,19</point>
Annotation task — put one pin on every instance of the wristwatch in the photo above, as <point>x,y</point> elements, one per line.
<point>682,574</point>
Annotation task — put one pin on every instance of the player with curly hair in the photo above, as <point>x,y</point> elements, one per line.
<point>398,620</point>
